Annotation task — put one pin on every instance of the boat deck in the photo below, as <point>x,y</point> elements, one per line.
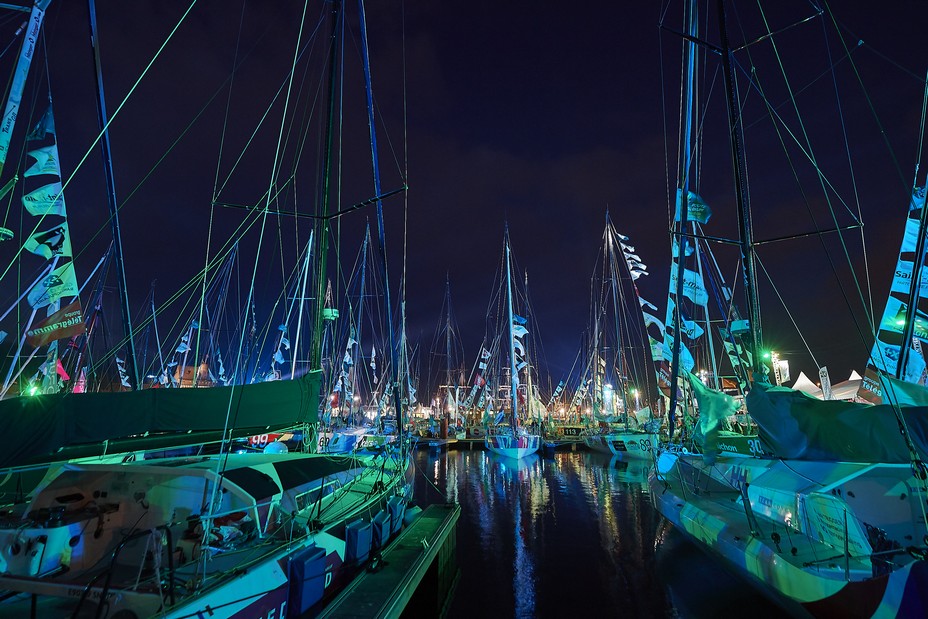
<point>720,520</point>
<point>59,597</point>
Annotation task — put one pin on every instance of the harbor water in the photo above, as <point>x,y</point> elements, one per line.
<point>570,535</point>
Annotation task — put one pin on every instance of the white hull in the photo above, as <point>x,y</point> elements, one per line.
<point>598,443</point>
<point>624,445</point>
<point>513,446</point>
<point>633,445</point>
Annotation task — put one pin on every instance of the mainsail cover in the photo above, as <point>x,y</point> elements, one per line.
<point>795,425</point>
<point>36,427</point>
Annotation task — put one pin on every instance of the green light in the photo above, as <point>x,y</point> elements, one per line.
<point>900,322</point>
<point>33,390</point>
<point>766,354</point>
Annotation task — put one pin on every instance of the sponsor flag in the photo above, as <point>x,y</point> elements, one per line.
<point>686,358</point>
<point>693,288</point>
<point>59,369</point>
<point>53,242</point>
<point>66,322</point>
<point>651,319</point>
<point>714,406</point>
<point>45,125</point>
<point>657,348</point>
<point>46,200</point>
<point>59,283</point>
<point>46,161</point>
<point>696,208</point>
<point>687,249</point>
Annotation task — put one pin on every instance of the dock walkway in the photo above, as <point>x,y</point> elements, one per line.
<point>419,571</point>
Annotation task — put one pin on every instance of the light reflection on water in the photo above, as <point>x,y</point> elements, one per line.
<point>548,537</point>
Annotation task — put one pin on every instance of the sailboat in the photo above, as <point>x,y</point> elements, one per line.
<point>447,422</point>
<point>831,522</point>
<point>216,532</point>
<point>621,369</point>
<point>358,412</point>
<point>515,440</point>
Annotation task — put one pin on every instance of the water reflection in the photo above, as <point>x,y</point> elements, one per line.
<point>549,537</point>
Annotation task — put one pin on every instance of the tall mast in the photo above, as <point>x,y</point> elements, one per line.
<point>514,376</point>
<point>315,358</point>
<point>682,201</point>
<point>743,201</point>
<point>448,334</point>
<point>357,337</point>
<point>529,387</point>
<point>398,400</point>
<point>131,369</point>
<point>619,349</point>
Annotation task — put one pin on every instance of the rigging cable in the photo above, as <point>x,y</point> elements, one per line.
<point>806,149</point>
<point>105,128</point>
<point>222,462</point>
<point>212,208</point>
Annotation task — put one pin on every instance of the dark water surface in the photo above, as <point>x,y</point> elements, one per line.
<point>574,535</point>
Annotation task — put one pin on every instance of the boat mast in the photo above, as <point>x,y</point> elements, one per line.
<point>514,376</point>
<point>131,369</point>
<point>315,359</point>
<point>619,349</point>
<point>682,203</point>
<point>357,335</point>
<point>398,400</point>
<point>448,341</point>
<point>531,412</point>
<point>743,201</point>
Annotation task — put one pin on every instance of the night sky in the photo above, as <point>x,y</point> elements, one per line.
<point>541,115</point>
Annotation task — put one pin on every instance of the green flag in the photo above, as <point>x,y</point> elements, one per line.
<point>714,406</point>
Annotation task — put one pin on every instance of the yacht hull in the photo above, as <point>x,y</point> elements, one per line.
<point>803,575</point>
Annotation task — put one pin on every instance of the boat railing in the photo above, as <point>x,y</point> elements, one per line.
<point>312,498</point>
<point>109,572</point>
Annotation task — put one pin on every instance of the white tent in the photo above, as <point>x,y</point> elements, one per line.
<point>846,390</point>
<point>807,386</point>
